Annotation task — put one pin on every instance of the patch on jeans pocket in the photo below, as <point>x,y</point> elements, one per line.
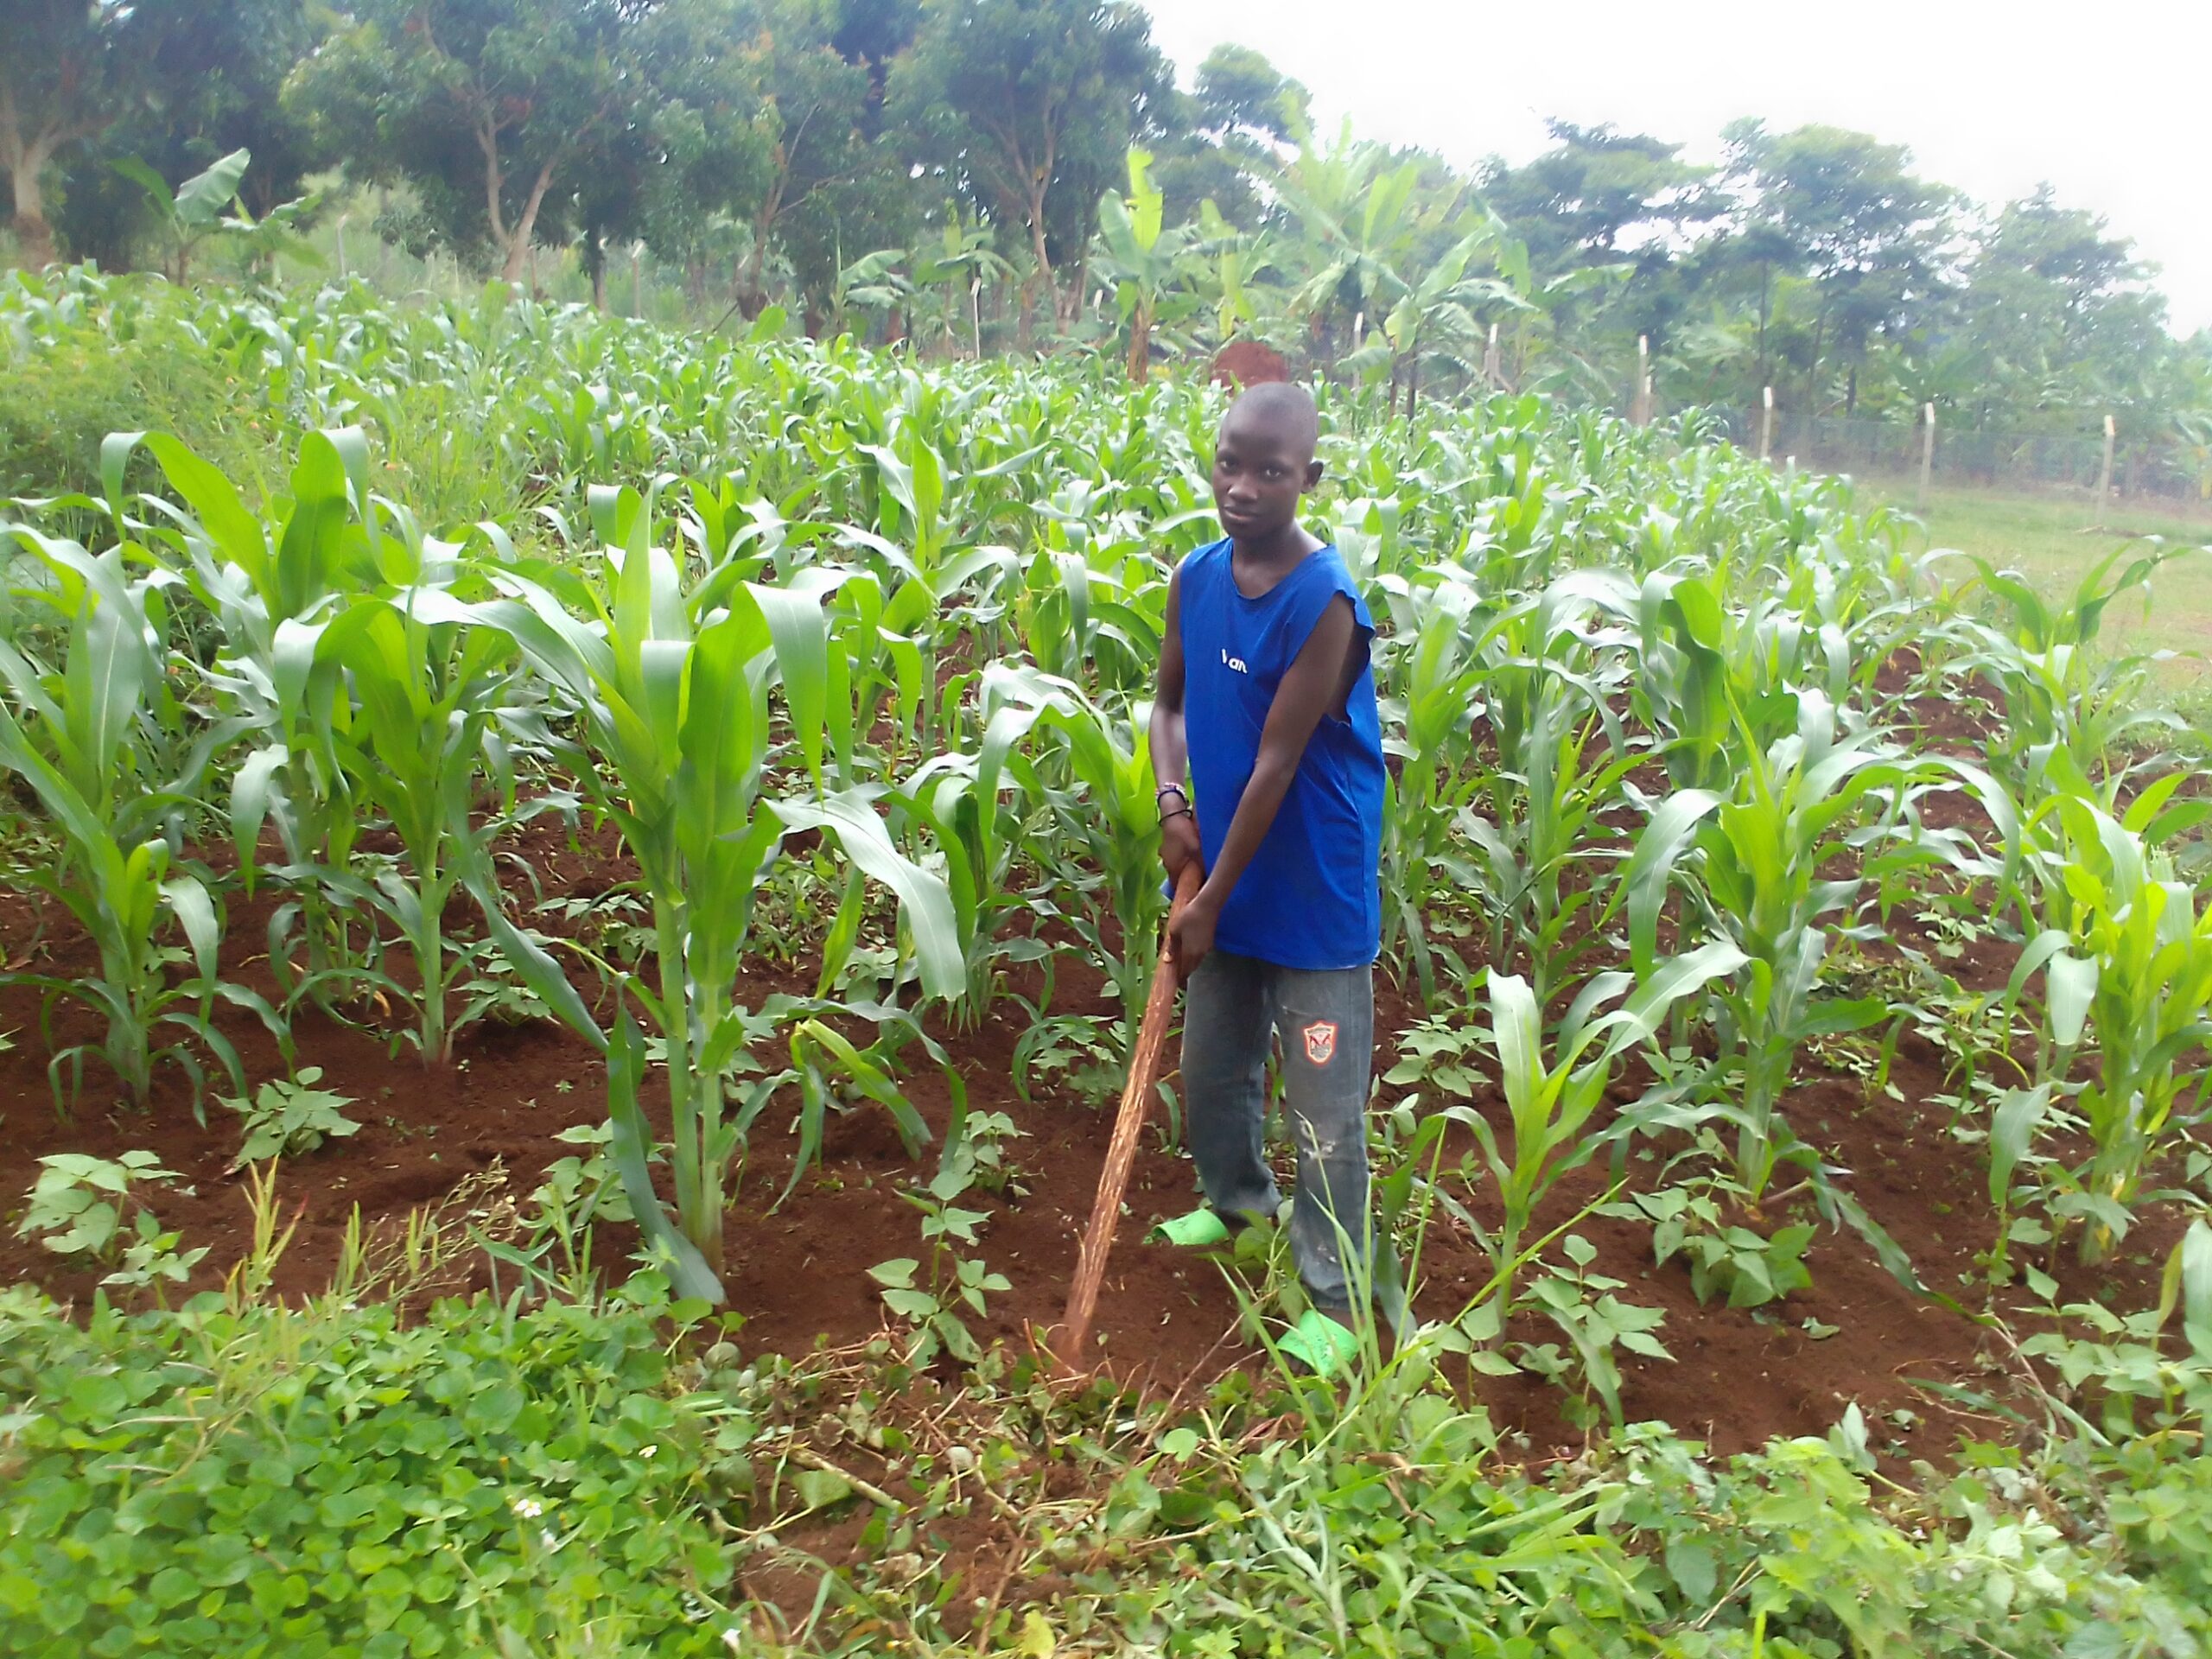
<point>1320,1041</point>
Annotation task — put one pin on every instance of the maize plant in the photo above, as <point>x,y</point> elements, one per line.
<point>1434,675</point>
<point>909,612</point>
<point>439,696</point>
<point>2130,964</point>
<point>1546,698</point>
<point>2059,693</point>
<point>78,736</point>
<point>272,589</point>
<point>670,702</point>
<point>1758,879</point>
<point>1551,1102</point>
<point>1108,809</point>
<point>978,833</point>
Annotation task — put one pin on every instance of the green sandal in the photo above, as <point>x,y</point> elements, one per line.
<point>1202,1230</point>
<point>1318,1344</point>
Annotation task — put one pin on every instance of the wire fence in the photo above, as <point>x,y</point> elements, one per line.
<point>2070,463</point>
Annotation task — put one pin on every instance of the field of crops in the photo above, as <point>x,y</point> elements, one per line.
<point>500,794</point>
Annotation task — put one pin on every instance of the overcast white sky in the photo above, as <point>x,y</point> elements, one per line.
<point>2110,100</point>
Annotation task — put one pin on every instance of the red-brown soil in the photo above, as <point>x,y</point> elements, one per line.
<point>799,1274</point>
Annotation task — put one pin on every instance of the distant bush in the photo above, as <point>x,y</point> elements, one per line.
<point>58,399</point>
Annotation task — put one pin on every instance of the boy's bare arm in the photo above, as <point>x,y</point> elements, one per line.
<point>1171,749</point>
<point>1311,687</point>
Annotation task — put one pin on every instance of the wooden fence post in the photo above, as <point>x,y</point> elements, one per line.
<point>1493,369</point>
<point>2104,478</point>
<point>1927,448</point>
<point>1766,426</point>
<point>1639,405</point>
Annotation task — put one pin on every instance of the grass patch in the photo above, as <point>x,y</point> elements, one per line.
<point>2050,540</point>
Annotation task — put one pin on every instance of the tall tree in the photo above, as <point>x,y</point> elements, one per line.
<point>694,149</point>
<point>1230,133</point>
<point>1240,91</point>
<point>1741,263</point>
<point>1871,235</point>
<point>210,76</point>
<point>870,33</point>
<point>2056,312</point>
<point>815,124</point>
<point>485,105</point>
<point>1029,106</point>
<point>1602,198</point>
<point>1598,194</point>
<point>66,66</point>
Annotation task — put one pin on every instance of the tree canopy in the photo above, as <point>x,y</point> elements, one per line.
<point>965,168</point>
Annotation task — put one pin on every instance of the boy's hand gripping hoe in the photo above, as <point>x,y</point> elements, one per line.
<point>1066,1342</point>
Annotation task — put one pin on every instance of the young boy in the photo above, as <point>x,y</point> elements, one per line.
<point>1266,692</point>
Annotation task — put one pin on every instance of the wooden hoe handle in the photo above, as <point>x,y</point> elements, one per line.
<point>1120,1152</point>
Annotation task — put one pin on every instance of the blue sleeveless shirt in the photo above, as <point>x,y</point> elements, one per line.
<point>1312,896</point>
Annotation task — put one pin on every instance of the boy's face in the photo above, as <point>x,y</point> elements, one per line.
<point>1261,465</point>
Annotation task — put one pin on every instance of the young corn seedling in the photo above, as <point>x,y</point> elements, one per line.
<point>1103,804</point>
<point>439,692</point>
<point>79,739</point>
<point>2136,966</point>
<point>1434,676</point>
<point>1761,850</point>
<point>1547,793</point>
<point>671,708</point>
<point>960,799</point>
<point>2059,692</point>
<point>1552,1100</point>
<point>272,587</point>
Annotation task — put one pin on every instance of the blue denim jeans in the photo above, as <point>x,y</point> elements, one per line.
<point>1233,1008</point>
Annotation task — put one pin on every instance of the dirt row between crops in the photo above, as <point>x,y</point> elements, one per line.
<point>799,1273</point>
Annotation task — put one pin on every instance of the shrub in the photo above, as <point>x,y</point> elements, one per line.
<point>59,400</point>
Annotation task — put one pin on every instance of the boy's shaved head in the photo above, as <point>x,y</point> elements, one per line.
<point>1262,463</point>
<point>1281,410</point>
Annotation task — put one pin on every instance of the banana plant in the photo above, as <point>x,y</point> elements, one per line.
<point>671,710</point>
<point>962,257</point>
<point>78,737</point>
<point>1435,314</point>
<point>195,210</point>
<point>1145,259</point>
